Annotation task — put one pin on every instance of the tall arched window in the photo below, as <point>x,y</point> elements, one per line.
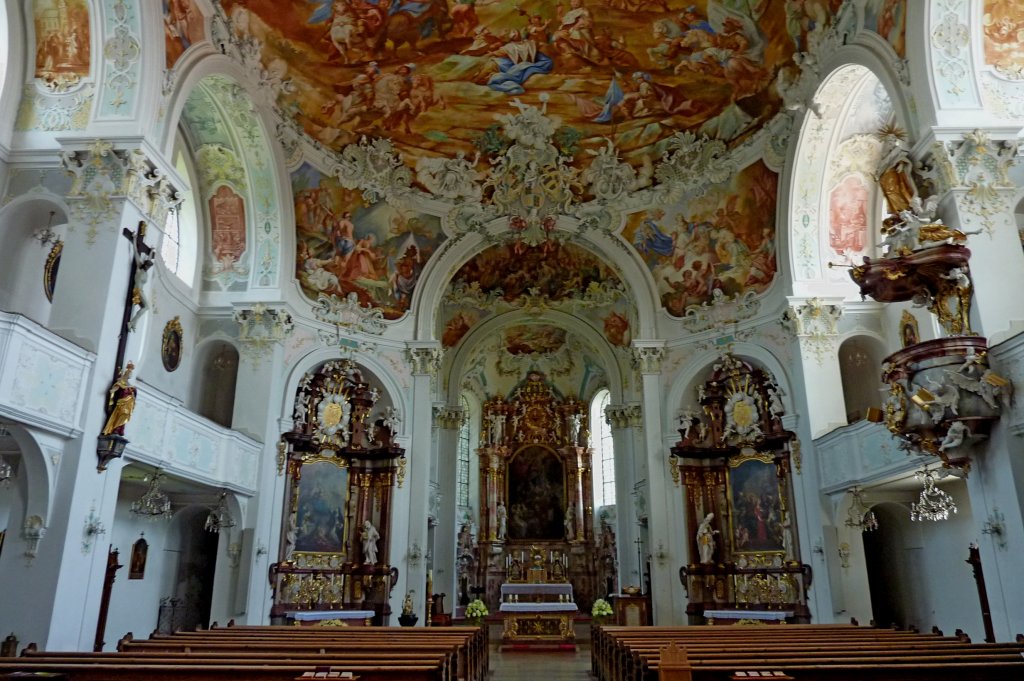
<point>604,451</point>
<point>462,476</point>
<point>181,231</point>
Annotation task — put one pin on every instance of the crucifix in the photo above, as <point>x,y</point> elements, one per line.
<point>640,561</point>
<point>121,397</point>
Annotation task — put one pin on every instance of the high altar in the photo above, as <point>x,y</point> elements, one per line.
<point>535,545</point>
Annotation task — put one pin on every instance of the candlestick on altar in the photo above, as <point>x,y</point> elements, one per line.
<point>640,561</point>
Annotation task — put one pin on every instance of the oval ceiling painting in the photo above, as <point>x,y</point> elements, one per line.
<point>431,74</point>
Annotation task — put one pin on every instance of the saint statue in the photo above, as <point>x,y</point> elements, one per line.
<point>122,401</point>
<point>369,535</point>
<point>894,176</point>
<point>706,540</point>
<point>570,523</point>
<point>502,514</point>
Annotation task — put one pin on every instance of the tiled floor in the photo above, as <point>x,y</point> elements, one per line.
<point>517,665</point>
<point>549,666</point>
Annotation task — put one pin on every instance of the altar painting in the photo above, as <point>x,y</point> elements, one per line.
<point>346,245</point>
<point>756,505</point>
<point>183,27</point>
<point>1003,24</point>
<point>320,508</point>
<point>536,495</point>
<point>431,75</point>
<point>723,240</point>
<point>62,40</point>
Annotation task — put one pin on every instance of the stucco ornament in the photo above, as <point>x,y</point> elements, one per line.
<point>374,166</point>
<point>450,178</point>
<point>332,420</point>
<point>349,315</point>
<point>689,163</point>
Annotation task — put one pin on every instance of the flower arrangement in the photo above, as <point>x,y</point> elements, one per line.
<point>476,610</point>
<point>601,608</point>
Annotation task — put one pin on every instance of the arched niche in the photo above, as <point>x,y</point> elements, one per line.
<point>835,204</point>
<point>213,385</point>
<point>859,359</point>
<point>31,244</point>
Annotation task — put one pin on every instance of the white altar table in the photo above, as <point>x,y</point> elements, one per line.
<point>352,618</point>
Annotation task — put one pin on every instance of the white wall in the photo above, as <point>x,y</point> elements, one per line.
<point>135,603</point>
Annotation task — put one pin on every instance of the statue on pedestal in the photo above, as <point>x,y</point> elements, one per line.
<point>502,515</point>
<point>121,400</point>
<point>369,536</point>
<point>706,540</point>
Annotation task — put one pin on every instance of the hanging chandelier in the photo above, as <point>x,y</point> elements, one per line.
<point>154,503</point>
<point>860,516</point>
<point>934,504</point>
<point>219,517</point>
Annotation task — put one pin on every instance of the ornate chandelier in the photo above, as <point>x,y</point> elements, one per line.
<point>860,516</point>
<point>219,517</point>
<point>154,503</point>
<point>934,504</point>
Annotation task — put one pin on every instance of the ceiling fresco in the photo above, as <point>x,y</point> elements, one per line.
<point>498,363</point>
<point>431,78</point>
<point>62,41</point>
<point>346,245</point>
<point>723,240</point>
<point>888,18</point>
<point>554,276</point>
<point>1003,24</point>
<point>184,26</point>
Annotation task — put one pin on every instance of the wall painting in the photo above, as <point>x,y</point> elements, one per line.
<point>848,217</point>
<point>539,339</point>
<point>1003,23</point>
<point>227,226</point>
<point>431,78</point>
<point>183,27</point>
<point>348,246</point>
<point>62,40</point>
<point>724,240</point>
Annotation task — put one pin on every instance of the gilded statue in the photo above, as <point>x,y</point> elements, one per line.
<point>894,174</point>
<point>121,401</point>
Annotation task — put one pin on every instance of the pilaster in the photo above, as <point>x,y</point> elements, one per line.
<point>624,421</point>
<point>447,421</point>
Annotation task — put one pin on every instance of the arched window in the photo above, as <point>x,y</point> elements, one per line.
<point>181,231</point>
<point>462,476</point>
<point>604,451</point>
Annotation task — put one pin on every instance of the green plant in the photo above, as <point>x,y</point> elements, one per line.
<point>476,609</point>
<point>601,608</point>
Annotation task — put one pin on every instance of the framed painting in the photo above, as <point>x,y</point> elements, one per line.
<point>137,565</point>
<point>909,332</point>
<point>536,494</point>
<point>756,506</point>
<point>50,270</point>
<point>318,524</point>
<point>170,348</point>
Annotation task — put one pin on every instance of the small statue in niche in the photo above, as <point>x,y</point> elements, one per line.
<point>570,523</point>
<point>369,537</point>
<point>575,422</point>
<point>706,540</point>
<point>501,513</point>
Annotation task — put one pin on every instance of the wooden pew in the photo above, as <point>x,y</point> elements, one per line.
<point>829,653</point>
<point>276,654</point>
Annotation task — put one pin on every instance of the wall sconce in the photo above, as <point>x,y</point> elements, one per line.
<point>660,554</point>
<point>93,528</point>
<point>234,553</point>
<point>414,555</point>
<point>995,526</point>
<point>818,548</point>
<point>844,555</point>
<point>45,235</point>
<point>673,468</point>
<point>32,532</point>
<point>261,549</point>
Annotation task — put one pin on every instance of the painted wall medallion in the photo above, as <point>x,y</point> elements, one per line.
<point>909,332</point>
<point>50,270</point>
<point>332,417</point>
<point>170,349</point>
